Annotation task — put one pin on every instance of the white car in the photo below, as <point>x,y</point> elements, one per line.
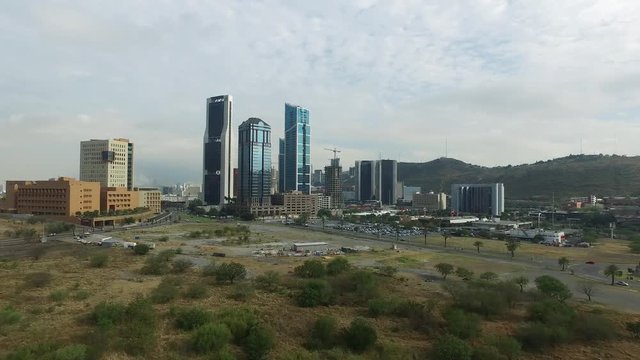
<point>621,283</point>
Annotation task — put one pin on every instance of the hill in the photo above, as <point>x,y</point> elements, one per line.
<point>574,175</point>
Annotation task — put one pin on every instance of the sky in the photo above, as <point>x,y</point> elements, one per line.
<point>498,81</point>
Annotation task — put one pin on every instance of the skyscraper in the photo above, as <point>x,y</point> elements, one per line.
<point>281,150</point>
<point>217,182</point>
<point>333,183</point>
<point>297,155</point>
<point>254,162</point>
<point>365,180</point>
<point>478,198</point>
<point>387,181</point>
<point>109,162</point>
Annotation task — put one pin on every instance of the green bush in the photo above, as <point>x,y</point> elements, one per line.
<point>59,295</point>
<point>505,347</point>
<point>380,306</point>
<point>538,336</point>
<point>449,347</point>
<point>356,286</point>
<point>81,295</point>
<point>141,249</point>
<point>593,327</point>
<point>360,335</point>
<point>9,316</point>
<point>106,315</point>
<point>483,298</point>
<point>388,270</point>
<point>242,291</point>
<point>338,266</point>
<point>209,270</point>
<point>210,337</point>
<point>551,312</point>
<point>166,255</point>
<point>258,343</point>
<point>163,238</point>
<point>165,292</point>
<point>489,276</point>
<point>310,269</point>
<point>315,293</point>
<point>461,324</point>
<point>137,334</point>
<point>269,281</point>
<point>155,265</point>
<point>72,352</point>
<point>181,265</point>
<point>552,287</point>
<point>196,291</point>
<point>38,279</point>
<point>324,333</point>
<point>99,260</point>
<point>238,320</point>
<point>229,272</point>
<point>192,318</point>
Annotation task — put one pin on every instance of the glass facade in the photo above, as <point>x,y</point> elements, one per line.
<point>254,161</point>
<point>217,183</point>
<point>297,156</point>
<point>281,150</point>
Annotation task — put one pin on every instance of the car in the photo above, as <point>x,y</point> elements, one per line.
<point>621,283</point>
<point>590,262</point>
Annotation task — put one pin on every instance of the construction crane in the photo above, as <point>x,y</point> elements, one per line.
<point>335,152</point>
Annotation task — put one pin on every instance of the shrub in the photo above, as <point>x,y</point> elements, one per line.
<point>315,293</point>
<point>552,287</point>
<point>81,295</point>
<point>389,270</point>
<point>551,312</point>
<point>72,352</point>
<point>165,292</point>
<point>258,343</point>
<point>449,347</point>
<point>229,272</point>
<point>634,328</point>
<point>357,286</point>
<point>464,273</point>
<point>489,276</point>
<point>539,336</point>
<point>181,265</point>
<point>192,318</point>
<point>380,306</point>
<point>461,324</point>
<point>138,332</point>
<point>106,315</point>
<point>99,260</point>
<point>210,337</point>
<point>310,269</point>
<point>155,265</point>
<point>508,347</point>
<point>141,310</point>
<point>9,316</point>
<point>324,333</point>
<point>166,255</point>
<point>242,291</point>
<point>163,238</point>
<point>593,327</point>
<point>360,336</point>
<point>196,291</point>
<point>141,249</point>
<point>38,279</point>
<point>58,295</point>
<point>209,270</point>
<point>269,281</point>
<point>238,320</point>
<point>338,266</point>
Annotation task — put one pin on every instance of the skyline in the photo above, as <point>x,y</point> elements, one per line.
<point>480,75</point>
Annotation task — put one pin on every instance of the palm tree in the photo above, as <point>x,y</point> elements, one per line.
<point>612,270</point>
<point>564,262</point>
<point>478,244</point>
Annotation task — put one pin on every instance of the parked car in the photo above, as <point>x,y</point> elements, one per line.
<point>590,262</point>
<point>621,283</point>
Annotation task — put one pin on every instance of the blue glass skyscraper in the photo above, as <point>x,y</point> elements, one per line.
<point>281,151</point>
<point>254,162</point>
<point>297,156</point>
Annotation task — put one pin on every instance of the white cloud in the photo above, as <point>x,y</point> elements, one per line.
<point>503,81</point>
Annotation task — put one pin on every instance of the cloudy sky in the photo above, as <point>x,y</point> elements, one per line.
<point>501,81</point>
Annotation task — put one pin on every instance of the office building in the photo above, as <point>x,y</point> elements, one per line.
<point>217,179</point>
<point>254,162</point>
<point>64,197</point>
<point>478,198</point>
<point>114,199</point>
<point>150,198</point>
<point>297,154</point>
<point>275,180</point>
<point>409,191</point>
<point>387,181</point>
<point>333,183</point>
<point>365,172</point>
<point>109,162</point>
<point>281,165</point>
<point>429,201</point>
<point>317,179</point>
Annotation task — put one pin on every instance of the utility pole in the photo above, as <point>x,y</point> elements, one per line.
<point>612,226</point>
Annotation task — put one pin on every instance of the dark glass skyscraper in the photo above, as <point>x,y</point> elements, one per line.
<point>387,181</point>
<point>281,150</point>
<point>254,161</point>
<point>217,182</point>
<point>297,155</point>
<point>365,180</point>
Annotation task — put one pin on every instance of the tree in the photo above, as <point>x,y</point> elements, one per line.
<point>338,266</point>
<point>324,333</point>
<point>478,244</point>
<point>314,293</point>
<point>612,270</point>
<point>512,245</point>
<point>310,269</point>
<point>230,272</point>
<point>464,273</point>
<point>587,289</point>
<point>444,269</point>
<point>489,276</point>
<point>521,281</point>
<point>564,262</point>
<point>258,343</point>
<point>445,235</point>
<point>210,337</point>
<point>360,335</point>
<point>552,287</point>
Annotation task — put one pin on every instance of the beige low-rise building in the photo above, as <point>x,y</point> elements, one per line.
<point>294,204</point>
<point>150,198</point>
<point>429,201</point>
<point>114,199</point>
<point>63,196</point>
